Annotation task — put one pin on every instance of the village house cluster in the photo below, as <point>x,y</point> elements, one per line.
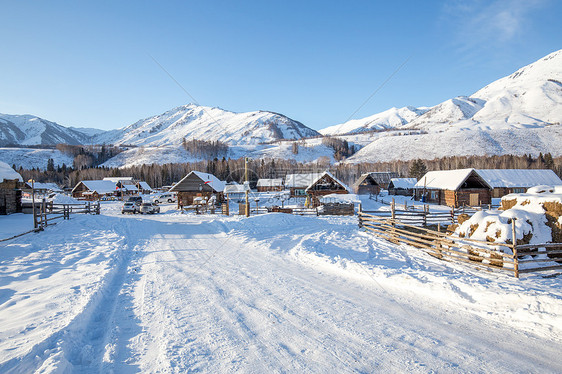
<point>454,188</point>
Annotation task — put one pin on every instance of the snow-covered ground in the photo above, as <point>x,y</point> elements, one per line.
<point>271,293</point>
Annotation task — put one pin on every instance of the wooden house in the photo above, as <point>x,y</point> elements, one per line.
<point>94,189</point>
<point>10,190</point>
<point>383,178</point>
<point>506,181</point>
<point>455,188</point>
<point>144,188</point>
<point>402,186</point>
<point>366,185</point>
<point>267,185</point>
<point>298,183</point>
<point>325,184</point>
<point>236,192</point>
<point>198,184</point>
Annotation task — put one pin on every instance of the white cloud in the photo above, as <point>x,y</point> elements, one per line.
<point>489,23</point>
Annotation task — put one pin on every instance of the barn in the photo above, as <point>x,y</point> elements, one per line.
<point>10,190</point>
<point>402,186</point>
<point>198,184</point>
<point>94,189</point>
<point>267,185</point>
<point>325,184</point>
<point>366,185</point>
<point>506,181</point>
<point>455,188</point>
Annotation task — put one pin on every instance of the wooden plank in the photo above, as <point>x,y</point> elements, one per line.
<point>544,268</point>
<point>548,252</point>
<point>544,245</point>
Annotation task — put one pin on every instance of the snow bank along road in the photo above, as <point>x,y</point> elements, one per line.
<point>272,293</point>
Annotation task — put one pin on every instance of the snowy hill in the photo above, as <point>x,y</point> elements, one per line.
<point>31,130</point>
<point>205,123</point>
<point>391,118</point>
<point>29,158</point>
<point>517,114</point>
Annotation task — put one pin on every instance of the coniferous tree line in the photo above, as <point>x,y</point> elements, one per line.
<point>233,170</point>
<point>342,149</point>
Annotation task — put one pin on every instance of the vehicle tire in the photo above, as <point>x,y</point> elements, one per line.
<point>122,212</point>
<point>169,200</point>
<point>156,202</point>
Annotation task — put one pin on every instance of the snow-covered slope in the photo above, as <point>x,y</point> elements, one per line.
<point>205,123</point>
<point>29,158</point>
<point>391,118</point>
<point>31,130</point>
<point>517,114</point>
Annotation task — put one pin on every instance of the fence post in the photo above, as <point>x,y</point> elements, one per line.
<point>452,216</point>
<point>425,211</point>
<point>393,208</point>
<point>514,240</point>
<point>44,211</point>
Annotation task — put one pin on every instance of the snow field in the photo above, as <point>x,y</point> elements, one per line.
<point>180,293</point>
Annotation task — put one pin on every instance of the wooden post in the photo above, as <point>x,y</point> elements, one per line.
<point>514,240</point>
<point>425,211</point>
<point>44,210</point>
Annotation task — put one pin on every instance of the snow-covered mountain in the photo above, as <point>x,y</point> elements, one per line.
<point>31,130</point>
<point>391,118</point>
<point>205,123</point>
<point>517,114</point>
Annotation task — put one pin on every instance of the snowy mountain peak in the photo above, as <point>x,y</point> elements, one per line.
<point>32,130</point>
<point>205,123</point>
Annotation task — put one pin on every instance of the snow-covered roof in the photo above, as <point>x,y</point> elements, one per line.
<point>46,186</point>
<point>130,187</point>
<point>6,172</point>
<point>99,186</point>
<point>301,180</point>
<point>331,176</point>
<point>518,177</point>
<point>213,181</point>
<point>277,182</point>
<point>209,179</point>
<point>236,188</point>
<point>445,179</point>
<point>404,183</point>
<point>118,179</point>
<point>145,186</point>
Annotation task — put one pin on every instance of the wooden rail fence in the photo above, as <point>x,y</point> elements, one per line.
<point>509,257</point>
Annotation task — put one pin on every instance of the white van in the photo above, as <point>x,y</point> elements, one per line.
<point>168,197</point>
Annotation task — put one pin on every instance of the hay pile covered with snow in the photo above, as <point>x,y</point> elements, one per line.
<point>537,214</point>
<point>64,199</point>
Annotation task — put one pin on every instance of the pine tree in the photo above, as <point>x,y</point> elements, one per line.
<point>417,169</point>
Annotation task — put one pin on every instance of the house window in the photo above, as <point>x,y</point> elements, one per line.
<point>518,190</point>
<point>433,195</point>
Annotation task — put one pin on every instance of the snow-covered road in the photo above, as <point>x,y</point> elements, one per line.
<point>273,293</point>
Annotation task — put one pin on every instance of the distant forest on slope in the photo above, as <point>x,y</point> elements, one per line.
<point>233,170</point>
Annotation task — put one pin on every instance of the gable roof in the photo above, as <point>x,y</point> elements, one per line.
<point>206,179</point>
<point>46,186</point>
<point>277,182</point>
<point>301,180</point>
<point>99,186</point>
<point>383,177</point>
<point>144,186</point>
<point>447,179</point>
<point>130,187</point>
<point>511,178</point>
<point>364,177</point>
<point>405,183</point>
<point>6,172</point>
<point>327,173</point>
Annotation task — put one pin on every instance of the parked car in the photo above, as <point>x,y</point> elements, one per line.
<point>165,197</point>
<point>130,207</point>
<point>149,208</point>
<point>135,199</point>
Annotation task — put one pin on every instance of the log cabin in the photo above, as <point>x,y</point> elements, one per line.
<point>366,185</point>
<point>454,188</point>
<point>11,184</point>
<point>325,184</point>
<point>197,184</point>
<point>402,186</point>
<point>506,181</point>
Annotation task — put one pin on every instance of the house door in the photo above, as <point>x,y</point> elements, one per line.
<point>474,199</point>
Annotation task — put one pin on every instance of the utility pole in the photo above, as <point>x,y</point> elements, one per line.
<point>246,186</point>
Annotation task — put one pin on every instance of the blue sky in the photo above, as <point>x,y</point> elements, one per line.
<point>89,64</point>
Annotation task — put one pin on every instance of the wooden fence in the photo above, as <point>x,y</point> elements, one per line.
<point>507,257</point>
<point>45,213</point>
